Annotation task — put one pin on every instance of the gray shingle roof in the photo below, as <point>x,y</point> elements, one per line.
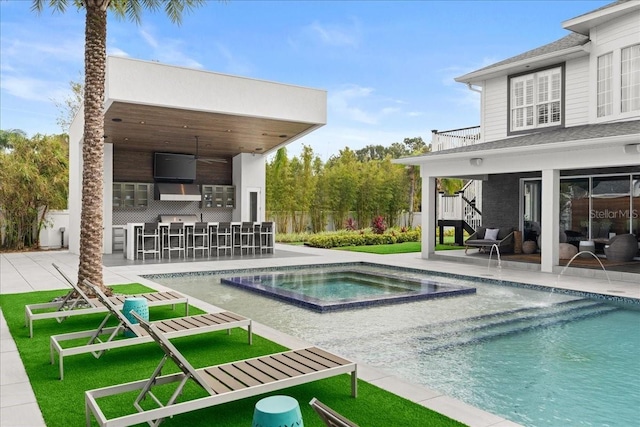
<point>566,42</point>
<point>574,133</point>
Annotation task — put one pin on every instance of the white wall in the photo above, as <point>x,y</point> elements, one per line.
<point>50,235</point>
<point>495,109</point>
<point>249,173</point>
<point>577,88</point>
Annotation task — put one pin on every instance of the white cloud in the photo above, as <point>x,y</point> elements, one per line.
<point>360,104</point>
<point>114,51</point>
<point>167,50</point>
<point>233,65</point>
<point>335,35</point>
<point>32,89</point>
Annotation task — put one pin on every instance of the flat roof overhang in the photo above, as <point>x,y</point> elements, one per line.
<point>156,107</point>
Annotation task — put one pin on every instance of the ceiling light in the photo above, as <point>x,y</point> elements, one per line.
<point>259,149</point>
<point>282,136</point>
<point>184,126</point>
<point>126,139</point>
<point>116,119</point>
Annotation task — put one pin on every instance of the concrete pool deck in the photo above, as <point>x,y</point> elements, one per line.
<point>32,271</point>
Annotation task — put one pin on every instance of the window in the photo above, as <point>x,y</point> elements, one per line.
<point>604,86</point>
<point>630,79</point>
<point>536,100</point>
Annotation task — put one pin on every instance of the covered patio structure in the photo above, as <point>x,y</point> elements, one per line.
<point>226,124</point>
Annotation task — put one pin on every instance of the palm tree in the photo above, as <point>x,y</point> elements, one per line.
<point>95,53</point>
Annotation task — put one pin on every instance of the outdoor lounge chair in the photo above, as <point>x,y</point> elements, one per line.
<point>77,303</point>
<point>223,383</point>
<point>330,417</point>
<point>172,328</point>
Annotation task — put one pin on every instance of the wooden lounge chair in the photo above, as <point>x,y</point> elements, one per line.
<point>223,383</point>
<point>77,303</point>
<point>172,328</point>
<point>330,417</point>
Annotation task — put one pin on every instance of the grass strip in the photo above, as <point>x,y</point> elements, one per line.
<point>396,248</point>
<point>62,402</point>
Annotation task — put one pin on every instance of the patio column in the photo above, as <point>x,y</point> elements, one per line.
<point>429,215</point>
<point>550,227</point>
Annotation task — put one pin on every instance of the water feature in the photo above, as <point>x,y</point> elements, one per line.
<point>536,358</point>
<point>587,253</point>
<point>494,246</point>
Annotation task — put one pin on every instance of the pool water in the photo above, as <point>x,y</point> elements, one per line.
<point>536,358</point>
<point>344,289</point>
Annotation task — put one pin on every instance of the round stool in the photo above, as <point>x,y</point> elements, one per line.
<point>140,306</point>
<point>277,411</point>
<point>586,246</point>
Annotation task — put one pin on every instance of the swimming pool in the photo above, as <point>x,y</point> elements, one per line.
<point>342,289</point>
<point>537,358</point>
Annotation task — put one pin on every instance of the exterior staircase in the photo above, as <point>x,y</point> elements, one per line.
<point>461,210</point>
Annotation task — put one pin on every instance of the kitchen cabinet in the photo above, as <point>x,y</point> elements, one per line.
<point>130,195</point>
<point>218,196</point>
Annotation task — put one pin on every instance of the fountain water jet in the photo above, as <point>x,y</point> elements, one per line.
<point>578,254</point>
<point>494,246</point>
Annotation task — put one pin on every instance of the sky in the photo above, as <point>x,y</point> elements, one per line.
<point>388,66</point>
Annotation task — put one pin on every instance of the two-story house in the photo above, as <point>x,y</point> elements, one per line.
<point>557,151</point>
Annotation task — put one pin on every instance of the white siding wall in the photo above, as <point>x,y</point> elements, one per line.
<point>494,116</point>
<point>577,92</point>
<point>613,31</point>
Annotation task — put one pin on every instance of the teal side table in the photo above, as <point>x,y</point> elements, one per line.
<point>140,306</point>
<point>277,411</point>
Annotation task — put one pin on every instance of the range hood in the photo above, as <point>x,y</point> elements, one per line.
<point>177,192</point>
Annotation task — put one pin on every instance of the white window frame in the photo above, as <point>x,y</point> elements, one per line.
<point>536,100</point>
<point>604,85</point>
<point>630,79</point>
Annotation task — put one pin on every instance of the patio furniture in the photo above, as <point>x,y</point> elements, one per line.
<point>222,383</point>
<point>172,328</point>
<point>277,411</point>
<point>77,303</point>
<point>621,247</point>
<point>330,417</point>
<point>567,251</point>
<point>266,237</point>
<point>148,240</point>
<point>225,238</point>
<point>529,247</point>
<point>486,237</point>
<point>200,239</point>
<point>247,238</point>
<point>174,239</point>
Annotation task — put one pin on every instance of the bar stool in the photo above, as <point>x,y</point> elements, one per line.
<point>247,238</point>
<point>213,238</point>
<point>225,238</point>
<point>148,240</point>
<point>266,237</point>
<point>200,238</point>
<point>175,239</point>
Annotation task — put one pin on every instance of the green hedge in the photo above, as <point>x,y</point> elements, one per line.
<point>340,239</point>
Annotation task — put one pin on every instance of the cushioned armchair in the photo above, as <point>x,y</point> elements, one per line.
<point>622,247</point>
<point>503,237</point>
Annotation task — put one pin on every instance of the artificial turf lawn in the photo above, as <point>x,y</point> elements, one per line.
<point>62,402</point>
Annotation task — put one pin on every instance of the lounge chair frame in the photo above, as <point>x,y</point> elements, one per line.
<point>172,328</point>
<point>330,417</point>
<point>73,303</point>
<point>224,383</point>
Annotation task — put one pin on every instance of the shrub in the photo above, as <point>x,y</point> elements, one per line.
<point>361,238</point>
<point>378,225</point>
<point>350,224</point>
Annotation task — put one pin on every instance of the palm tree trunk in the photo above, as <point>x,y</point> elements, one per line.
<point>91,219</point>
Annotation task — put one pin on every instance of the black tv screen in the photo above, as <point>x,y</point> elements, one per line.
<point>171,167</point>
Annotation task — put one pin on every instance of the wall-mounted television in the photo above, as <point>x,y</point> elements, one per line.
<point>172,167</point>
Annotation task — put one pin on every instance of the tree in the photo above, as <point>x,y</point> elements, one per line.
<point>34,178</point>
<point>69,107</point>
<point>91,220</point>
